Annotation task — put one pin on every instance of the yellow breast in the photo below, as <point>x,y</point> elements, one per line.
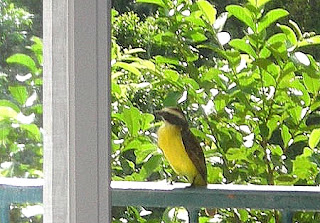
<point>170,142</point>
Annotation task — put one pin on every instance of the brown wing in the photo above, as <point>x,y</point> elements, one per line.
<point>194,152</point>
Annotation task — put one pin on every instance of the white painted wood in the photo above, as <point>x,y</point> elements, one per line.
<point>75,111</point>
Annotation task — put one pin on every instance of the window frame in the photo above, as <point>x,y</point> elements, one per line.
<point>76,110</point>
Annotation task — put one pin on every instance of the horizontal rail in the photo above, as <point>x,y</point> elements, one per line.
<point>158,194</point>
<point>18,191</point>
<point>287,199</point>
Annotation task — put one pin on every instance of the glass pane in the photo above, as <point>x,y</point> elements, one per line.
<point>20,107</point>
<point>247,80</point>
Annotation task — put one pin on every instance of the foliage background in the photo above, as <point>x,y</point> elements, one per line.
<point>259,91</point>
<point>251,95</point>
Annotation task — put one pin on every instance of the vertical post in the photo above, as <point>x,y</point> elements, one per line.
<point>4,213</point>
<point>193,215</point>
<point>286,216</point>
<point>76,65</point>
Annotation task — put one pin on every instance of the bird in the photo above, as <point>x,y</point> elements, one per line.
<point>180,147</point>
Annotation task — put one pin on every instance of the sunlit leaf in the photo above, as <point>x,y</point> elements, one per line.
<point>127,66</point>
<point>296,29</point>
<point>242,14</point>
<point>244,46</point>
<point>314,138</point>
<point>303,167</point>
<point>285,135</point>
<point>169,60</point>
<point>24,60</point>
<point>312,84</point>
<point>271,17</point>
<point>309,41</point>
<point>272,124</point>
<point>208,10</point>
<point>7,112</point>
<point>289,33</point>
<point>171,75</point>
<point>20,93</point>
<point>296,114</point>
<point>156,2</point>
<point>268,79</point>
<point>131,117</point>
<point>196,36</point>
<point>215,174</point>
<point>6,103</point>
<point>146,121</point>
<point>32,130</point>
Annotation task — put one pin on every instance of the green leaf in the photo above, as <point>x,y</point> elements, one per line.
<point>128,67</point>
<point>276,150</point>
<point>152,165</point>
<point>272,124</point>
<point>270,18</point>
<point>288,69</point>
<point>196,36</point>
<point>296,29</point>
<point>131,117</point>
<point>24,60</point>
<point>236,154</point>
<point>208,11</point>
<point>232,56</point>
<point>268,79</point>
<point>215,174</point>
<point>314,138</point>
<point>220,102</point>
<point>37,48</point>
<point>296,84</point>
<point>7,112</point>
<point>146,121</point>
<point>285,179</point>
<point>167,60</point>
<point>20,93</point>
<point>264,130</point>
<point>309,41</point>
<point>145,151</point>
<point>171,75</point>
<point>312,84</point>
<point>6,103</point>
<point>289,33</point>
<point>33,131</point>
<point>244,215</point>
<point>171,98</point>
<point>242,45</point>
<point>295,114</point>
<point>242,14</point>
<point>303,167</point>
<point>285,135</point>
<point>315,106</point>
<point>258,3</point>
<point>269,67</point>
<point>156,2</point>
<point>191,82</point>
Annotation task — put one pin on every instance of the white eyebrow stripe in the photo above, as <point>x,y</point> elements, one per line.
<point>174,112</point>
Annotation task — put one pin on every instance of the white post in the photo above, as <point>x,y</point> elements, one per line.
<point>76,111</point>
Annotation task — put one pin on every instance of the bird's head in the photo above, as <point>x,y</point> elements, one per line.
<point>173,116</point>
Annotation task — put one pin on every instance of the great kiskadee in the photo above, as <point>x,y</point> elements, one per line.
<point>180,147</point>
